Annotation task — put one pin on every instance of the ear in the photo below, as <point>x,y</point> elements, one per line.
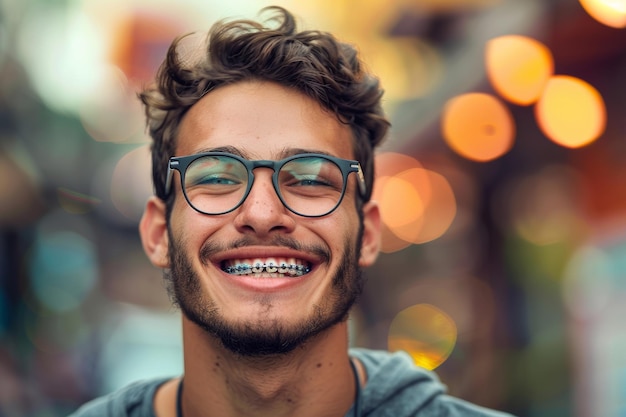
<point>370,242</point>
<point>153,232</point>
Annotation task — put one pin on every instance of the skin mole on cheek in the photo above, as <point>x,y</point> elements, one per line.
<point>319,365</point>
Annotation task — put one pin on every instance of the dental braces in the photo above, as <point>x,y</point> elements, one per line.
<point>270,268</point>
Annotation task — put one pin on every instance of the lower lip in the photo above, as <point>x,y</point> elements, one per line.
<point>268,284</point>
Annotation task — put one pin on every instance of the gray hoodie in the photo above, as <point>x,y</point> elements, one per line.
<point>395,388</point>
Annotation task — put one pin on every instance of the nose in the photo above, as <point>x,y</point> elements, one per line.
<point>262,213</point>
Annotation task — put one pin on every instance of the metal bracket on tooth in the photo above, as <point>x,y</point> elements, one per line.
<point>270,268</point>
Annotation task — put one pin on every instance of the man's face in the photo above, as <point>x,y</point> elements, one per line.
<point>256,314</point>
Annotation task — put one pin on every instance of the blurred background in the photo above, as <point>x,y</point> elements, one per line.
<point>502,183</point>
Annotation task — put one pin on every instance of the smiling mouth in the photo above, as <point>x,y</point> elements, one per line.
<point>267,268</point>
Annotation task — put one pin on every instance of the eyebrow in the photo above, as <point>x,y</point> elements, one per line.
<point>285,153</point>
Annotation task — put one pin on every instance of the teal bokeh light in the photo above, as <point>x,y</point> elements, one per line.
<point>64,270</point>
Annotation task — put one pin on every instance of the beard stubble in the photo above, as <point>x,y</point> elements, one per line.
<point>263,336</point>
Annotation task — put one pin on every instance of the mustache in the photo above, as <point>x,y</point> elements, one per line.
<point>210,248</point>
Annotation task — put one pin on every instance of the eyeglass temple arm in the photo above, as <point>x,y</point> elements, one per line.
<point>361,180</point>
<point>170,172</point>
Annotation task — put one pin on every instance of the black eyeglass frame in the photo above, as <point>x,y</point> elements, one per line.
<point>347,166</point>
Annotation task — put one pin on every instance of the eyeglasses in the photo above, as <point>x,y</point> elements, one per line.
<point>310,184</point>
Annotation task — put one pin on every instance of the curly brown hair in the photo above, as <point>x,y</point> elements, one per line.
<point>312,62</point>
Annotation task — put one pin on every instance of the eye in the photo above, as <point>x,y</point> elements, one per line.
<point>311,173</point>
<point>215,172</point>
<point>306,180</point>
<point>216,180</point>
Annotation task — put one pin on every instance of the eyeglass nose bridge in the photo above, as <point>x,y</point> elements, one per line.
<point>262,163</point>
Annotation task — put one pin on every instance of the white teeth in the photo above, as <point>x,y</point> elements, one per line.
<point>257,266</point>
<point>292,271</point>
<point>268,268</point>
<point>283,268</point>
<point>271,265</point>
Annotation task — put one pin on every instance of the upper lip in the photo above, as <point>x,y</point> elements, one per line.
<point>261,252</point>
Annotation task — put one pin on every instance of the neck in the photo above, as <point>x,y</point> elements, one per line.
<point>313,380</point>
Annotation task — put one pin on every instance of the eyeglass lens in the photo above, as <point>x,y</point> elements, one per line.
<point>310,186</point>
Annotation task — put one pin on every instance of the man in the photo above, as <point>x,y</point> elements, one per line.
<point>262,220</point>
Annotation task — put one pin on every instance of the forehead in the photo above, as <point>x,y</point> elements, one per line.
<point>263,120</point>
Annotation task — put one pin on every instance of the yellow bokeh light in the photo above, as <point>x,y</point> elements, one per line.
<point>424,332</point>
<point>409,68</point>
<point>608,12</point>
<point>478,126</point>
<point>518,67</point>
<point>447,5</point>
<point>571,112</point>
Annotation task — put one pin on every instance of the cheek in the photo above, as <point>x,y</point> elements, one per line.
<point>342,229</point>
<point>189,227</point>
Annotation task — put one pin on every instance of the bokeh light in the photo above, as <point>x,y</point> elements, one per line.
<point>113,113</point>
<point>571,112</point>
<point>75,202</point>
<point>478,126</point>
<point>468,300</point>
<point>142,343</point>
<point>410,67</point>
<point>543,207</point>
<point>123,183</point>
<point>20,194</point>
<point>389,242</point>
<point>64,53</point>
<point>417,205</point>
<point>518,67</point>
<point>131,184</point>
<point>439,210</point>
<point>445,5</point>
<point>400,202</point>
<point>388,165</point>
<point>140,36</point>
<point>58,331</point>
<point>424,332</point>
<point>588,282</point>
<point>608,12</point>
<point>64,270</point>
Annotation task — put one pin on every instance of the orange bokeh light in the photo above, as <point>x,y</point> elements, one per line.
<point>571,112</point>
<point>401,202</point>
<point>392,163</point>
<point>478,126</point>
<point>518,67</point>
<point>439,209</point>
<point>608,12</point>
<point>388,165</point>
<point>417,205</point>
